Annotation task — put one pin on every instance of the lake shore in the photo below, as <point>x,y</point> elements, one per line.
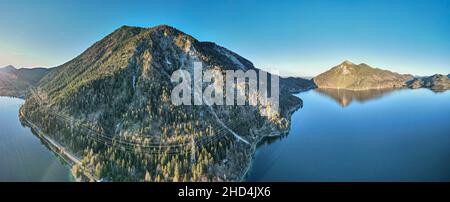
<point>398,136</point>
<point>275,133</point>
<point>61,151</point>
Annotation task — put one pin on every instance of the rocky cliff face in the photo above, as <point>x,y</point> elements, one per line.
<point>360,77</point>
<point>437,82</point>
<point>16,82</point>
<point>119,89</point>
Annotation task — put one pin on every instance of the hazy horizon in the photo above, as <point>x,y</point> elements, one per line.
<point>300,38</point>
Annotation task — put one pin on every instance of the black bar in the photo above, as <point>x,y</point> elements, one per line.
<point>171,191</point>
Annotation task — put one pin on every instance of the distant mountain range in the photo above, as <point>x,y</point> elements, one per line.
<point>350,76</point>
<point>16,82</point>
<point>437,82</point>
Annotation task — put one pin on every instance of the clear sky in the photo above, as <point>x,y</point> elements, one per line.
<point>300,38</point>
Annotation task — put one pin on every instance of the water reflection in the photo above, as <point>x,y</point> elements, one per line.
<point>345,97</point>
<point>402,137</point>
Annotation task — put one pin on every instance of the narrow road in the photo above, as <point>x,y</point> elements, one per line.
<point>62,151</point>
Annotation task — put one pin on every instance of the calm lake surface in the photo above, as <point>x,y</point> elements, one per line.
<point>23,157</point>
<point>401,135</point>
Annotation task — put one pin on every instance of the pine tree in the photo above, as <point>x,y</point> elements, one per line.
<point>176,176</point>
<point>148,177</point>
<point>98,170</point>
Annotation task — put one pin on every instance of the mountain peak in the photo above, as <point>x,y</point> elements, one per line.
<point>8,68</point>
<point>157,27</point>
<point>165,27</point>
<point>347,62</point>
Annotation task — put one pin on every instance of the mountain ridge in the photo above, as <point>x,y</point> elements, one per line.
<point>16,82</point>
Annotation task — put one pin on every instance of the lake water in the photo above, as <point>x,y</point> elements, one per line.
<point>23,157</point>
<point>401,135</point>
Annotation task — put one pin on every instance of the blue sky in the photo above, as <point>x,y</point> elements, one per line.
<point>300,38</point>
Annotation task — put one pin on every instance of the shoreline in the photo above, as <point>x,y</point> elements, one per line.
<point>58,149</point>
<point>365,89</point>
<point>262,138</point>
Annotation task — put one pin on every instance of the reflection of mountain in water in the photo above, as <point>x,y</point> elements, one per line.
<point>344,97</point>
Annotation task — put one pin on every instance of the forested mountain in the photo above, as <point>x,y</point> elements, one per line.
<point>360,77</point>
<point>16,82</point>
<point>111,107</point>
